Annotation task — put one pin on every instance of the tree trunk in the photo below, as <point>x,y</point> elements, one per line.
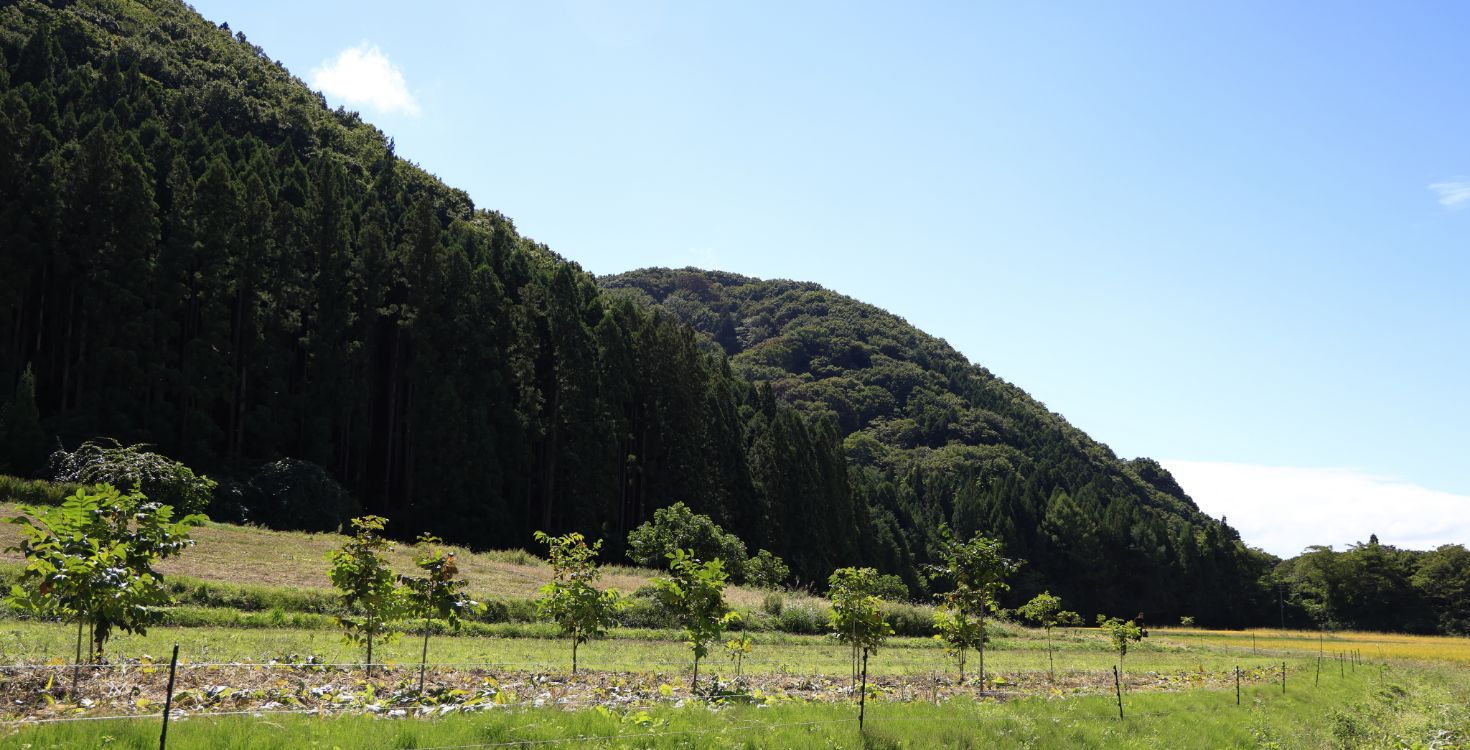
<point>76,672</point>
<point>982,664</point>
<point>1051,665</point>
<point>369,667</point>
<point>428,621</point>
<point>694,683</point>
<point>574,654</point>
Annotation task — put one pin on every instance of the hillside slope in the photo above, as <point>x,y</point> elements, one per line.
<point>934,438</point>
<point>200,255</point>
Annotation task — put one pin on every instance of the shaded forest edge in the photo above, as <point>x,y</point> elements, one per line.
<point>202,256</point>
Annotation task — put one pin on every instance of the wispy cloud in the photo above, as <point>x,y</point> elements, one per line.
<point>1453,193</point>
<point>364,76</point>
<point>1284,509</point>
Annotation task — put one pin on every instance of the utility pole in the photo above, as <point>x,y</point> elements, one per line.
<point>1281,595</point>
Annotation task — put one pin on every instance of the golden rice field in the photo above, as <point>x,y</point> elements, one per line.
<point>1298,643</point>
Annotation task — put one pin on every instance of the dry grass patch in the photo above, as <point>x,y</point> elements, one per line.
<point>254,555</point>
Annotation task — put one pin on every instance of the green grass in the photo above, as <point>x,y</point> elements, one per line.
<point>632,650</point>
<point>35,491</point>
<point>1412,707</point>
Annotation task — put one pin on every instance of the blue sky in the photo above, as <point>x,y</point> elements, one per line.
<point>1234,238</point>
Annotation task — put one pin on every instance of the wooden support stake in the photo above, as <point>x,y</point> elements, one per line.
<point>168,699</point>
<point>1237,686</point>
<point>863,697</point>
<point>1318,679</point>
<point>1283,678</point>
<point>1118,690</point>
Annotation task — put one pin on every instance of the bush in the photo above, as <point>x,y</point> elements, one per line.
<point>161,479</point>
<point>909,620</point>
<point>645,609</point>
<point>892,588</point>
<point>766,571</point>
<point>677,527</point>
<point>297,495</point>
<point>772,604</point>
<point>802,619</point>
<point>507,611</point>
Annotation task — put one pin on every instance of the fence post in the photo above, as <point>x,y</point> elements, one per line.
<point>1118,690</point>
<point>1237,685</point>
<point>168,699</point>
<point>863,697</point>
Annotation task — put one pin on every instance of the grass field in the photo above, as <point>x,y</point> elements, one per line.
<point>250,597</point>
<point>1409,707</point>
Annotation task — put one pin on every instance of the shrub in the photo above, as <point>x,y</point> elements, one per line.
<point>909,620</point>
<point>22,441</point>
<point>766,571</point>
<point>772,604</point>
<point>160,478</point>
<point>891,588</point>
<point>644,608</point>
<point>298,495</point>
<point>676,527</point>
<point>802,619</point>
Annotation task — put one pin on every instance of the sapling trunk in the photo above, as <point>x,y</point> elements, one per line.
<point>370,646</point>
<point>574,653</point>
<point>428,621</point>
<point>694,683</point>
<point>1051,665</point>
<point>982,664</point>
<point>424,658</point>
<point>76,672</point>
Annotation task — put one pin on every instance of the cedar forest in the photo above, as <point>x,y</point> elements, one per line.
<point>202,256</point>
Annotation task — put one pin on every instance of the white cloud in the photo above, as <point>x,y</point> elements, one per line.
<point>1284,509</point>
<point>1453,193</point>
<point>363,75</point>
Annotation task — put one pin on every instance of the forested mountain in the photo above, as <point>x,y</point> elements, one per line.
<point>932,438</point>
<point>201,255</point>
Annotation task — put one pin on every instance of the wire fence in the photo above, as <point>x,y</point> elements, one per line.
<point>404,704</point>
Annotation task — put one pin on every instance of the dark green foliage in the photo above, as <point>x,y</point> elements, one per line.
<point>676,527</point>
<point>132,468</point>
<point>932,439</point>
<point>766,571</point>
<point>201,256</point>
<point>1377,586</point>
<point>293,494</point>
<point>22,441</point>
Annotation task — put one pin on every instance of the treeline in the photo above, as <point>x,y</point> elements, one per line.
<point>200,255</point>
<point>1376,586</point>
